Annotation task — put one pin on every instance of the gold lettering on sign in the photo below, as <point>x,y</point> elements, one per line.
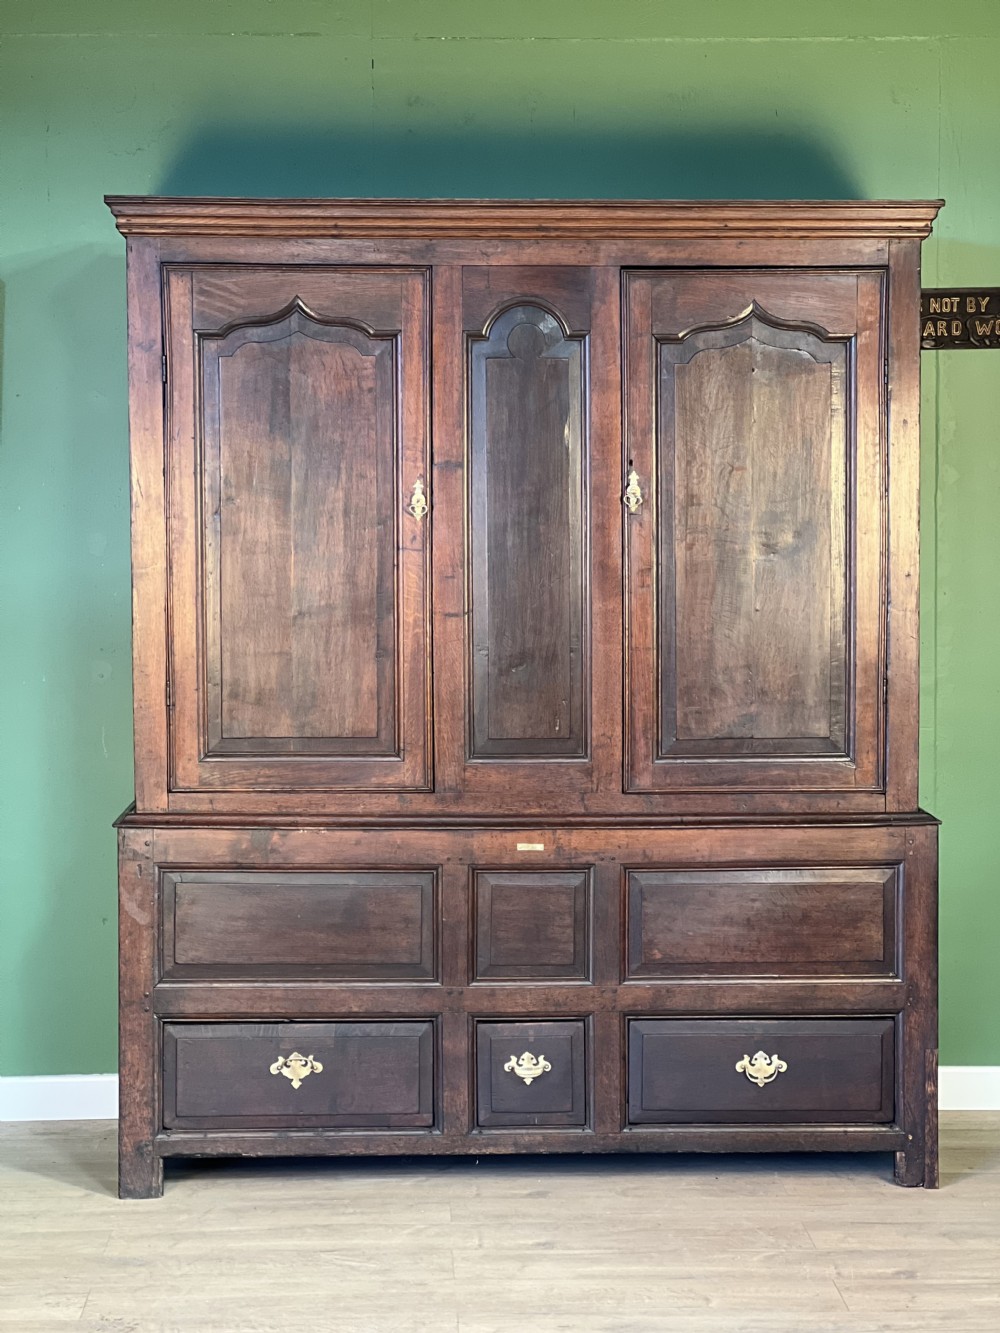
<point>963,318</point>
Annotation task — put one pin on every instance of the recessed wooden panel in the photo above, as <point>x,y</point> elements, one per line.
<point>299,601</point>
<point>531,925</point>
<point>756,611</point>
<point>346,925</point>
<point>752,617</point>
<point>762,923</point>
<point>838,1070</point>
<point>527,451</point>
<point>374,1075</point>
<point>557,1096</point>
<point>300,443</point>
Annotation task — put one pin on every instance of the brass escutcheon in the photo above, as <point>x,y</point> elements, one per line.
<point>528,1066</point>
<point>762,1068</point>
<point>633,492</point>
<point>296,1067</point>
<point>418,500</point>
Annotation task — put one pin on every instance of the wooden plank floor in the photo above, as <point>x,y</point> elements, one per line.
<point>527,1245</point>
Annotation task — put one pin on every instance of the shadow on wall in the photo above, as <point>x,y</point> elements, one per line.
<point>740,164</point>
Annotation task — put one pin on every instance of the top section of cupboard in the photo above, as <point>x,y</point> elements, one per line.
<point>514,510</point>
<point>524,219</point>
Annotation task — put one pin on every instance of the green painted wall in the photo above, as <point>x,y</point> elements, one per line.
<point>738,98</point>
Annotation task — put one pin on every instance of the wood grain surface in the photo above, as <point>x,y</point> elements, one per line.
<point>443,746</point>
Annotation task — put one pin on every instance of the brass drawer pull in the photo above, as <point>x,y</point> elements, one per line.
<point>296,1067</point>
<point>763,1068</point>
<point>528,1066</point>
<point>418,500</point>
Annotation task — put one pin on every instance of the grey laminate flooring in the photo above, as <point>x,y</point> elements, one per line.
<point>525,1245</point>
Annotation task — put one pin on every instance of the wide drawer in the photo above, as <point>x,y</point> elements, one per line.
<point>275,1075</point>
<point>347,925</point>
<point>751,1071</point>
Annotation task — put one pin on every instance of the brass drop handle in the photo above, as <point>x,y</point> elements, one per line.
<point>762,1068</point>
<point>632,498</point>
<point>528,1066</point>
<point>296,1067</point>
<point>418,500</point>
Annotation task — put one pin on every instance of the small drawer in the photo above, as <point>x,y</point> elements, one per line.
<point>758,1072</point>
<point>762,923</point>
<point>298,1075</point>
<point>347,925</point>
<point>531,1074</point>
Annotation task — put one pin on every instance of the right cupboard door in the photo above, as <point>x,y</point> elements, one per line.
<point>755,531</point>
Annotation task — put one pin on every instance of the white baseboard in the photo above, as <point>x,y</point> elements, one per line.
<point>95,1096</point>
<point>969,1088</point>
<point>59,1097</point>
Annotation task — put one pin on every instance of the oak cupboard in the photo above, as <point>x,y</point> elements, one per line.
<point>525,630</point>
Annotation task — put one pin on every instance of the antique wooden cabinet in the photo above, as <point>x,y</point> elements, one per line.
<point>525,623</point>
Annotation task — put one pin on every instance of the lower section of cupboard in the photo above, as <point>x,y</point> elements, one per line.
<point>324,992</point>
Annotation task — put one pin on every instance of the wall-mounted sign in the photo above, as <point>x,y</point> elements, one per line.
<point>960,317</point>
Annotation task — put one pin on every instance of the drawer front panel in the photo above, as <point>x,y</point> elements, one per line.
<point>531,1074</point>
<point>532,925</point>
<point>349,1075</point>
<point>762,923</point>
<point>835,1070</point>
<point>347,926</point>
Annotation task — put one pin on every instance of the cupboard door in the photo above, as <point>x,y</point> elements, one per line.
<point>754,582</point>
<point>297,461</point>
<point>523,442</point>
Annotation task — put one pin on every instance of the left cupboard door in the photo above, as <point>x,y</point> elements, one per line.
<point>298,494</point>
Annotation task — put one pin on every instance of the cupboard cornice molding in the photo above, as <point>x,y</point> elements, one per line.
<point>511,219</point>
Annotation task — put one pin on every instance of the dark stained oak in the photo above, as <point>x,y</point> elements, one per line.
<point>753,620</point>
<point>372,1075</point>
<point>346,925</point>
<point>555,1096</point>
<point>526,435</point>
<point>522,219</point>
<point>762,923</point>
<point>298,613</point>
<point>532,925</point>
<point>518,426</point>
<point>682,1070</point>
<point>444,755</point>
<point>300,425</point>
<point>764,455</point>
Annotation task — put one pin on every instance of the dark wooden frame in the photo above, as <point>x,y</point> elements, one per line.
<point>552,816</point>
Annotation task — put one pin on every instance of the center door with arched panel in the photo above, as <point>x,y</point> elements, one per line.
<point>515,586</point>
<point>298,487</point>
<point>755,534</point>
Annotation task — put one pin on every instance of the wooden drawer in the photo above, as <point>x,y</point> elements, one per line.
<point>835,1070</point>
<point>244,1075</point>
<point>531,1074</point>
<point>348,925</point>
<point>765,922</point>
